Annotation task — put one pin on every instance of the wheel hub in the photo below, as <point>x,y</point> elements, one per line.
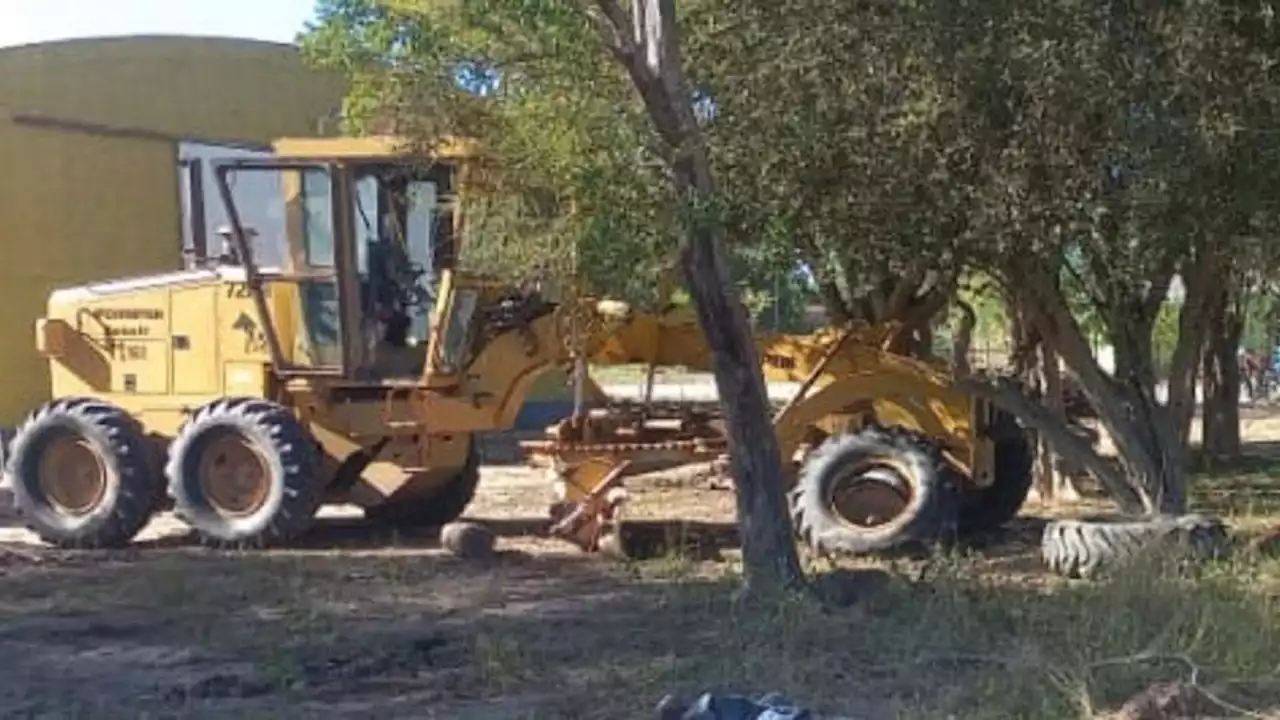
<point>72,476</point>
<point>871,494</point>
<point>234,475</point>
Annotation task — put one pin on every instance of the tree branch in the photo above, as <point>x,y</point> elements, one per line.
<point>924,308</point>
<point>1075,450</point>
<point>963,339</point>
<point>1159,281</point>
<point>901,292</point>
<point>1048,311</point>
<point>619,33</point>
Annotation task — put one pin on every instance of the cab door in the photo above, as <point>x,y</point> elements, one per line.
<point>322,272</point>
<point>304,305</point>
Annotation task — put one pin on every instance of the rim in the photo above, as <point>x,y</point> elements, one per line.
<point>234,475</point>
<point>871,494</point>
<point>72,475</point>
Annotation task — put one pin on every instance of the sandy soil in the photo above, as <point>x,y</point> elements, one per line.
<point>336,626</point>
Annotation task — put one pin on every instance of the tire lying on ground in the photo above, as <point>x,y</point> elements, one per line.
<point>874,490</point>
<point>243,473</point>
<point>1089,548</point>
<point>83,474</point>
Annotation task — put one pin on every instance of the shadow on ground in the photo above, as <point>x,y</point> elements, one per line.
<point>173,630</point>
<point>203,634</point>
<point>646,539</point>
<point>1248,487</point>
<point>311,633</point>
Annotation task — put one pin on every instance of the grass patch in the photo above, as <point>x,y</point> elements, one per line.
<point>617,374</point>
<point>409,632</point>
<point>1248,493</point>
<point>556,638</point>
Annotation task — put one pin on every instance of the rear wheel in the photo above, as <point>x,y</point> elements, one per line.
<point>243,473</point>
<point>82,475</point>
<point>990,508</point>
<point>874,490</point>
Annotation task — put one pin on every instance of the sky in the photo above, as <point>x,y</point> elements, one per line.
<point>30,21</point>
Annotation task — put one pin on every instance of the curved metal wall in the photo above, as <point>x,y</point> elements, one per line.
<point>88,161</point>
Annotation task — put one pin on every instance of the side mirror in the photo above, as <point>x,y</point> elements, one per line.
<point>228,255</point>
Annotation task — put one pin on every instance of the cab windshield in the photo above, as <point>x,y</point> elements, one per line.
<point>400,221</point>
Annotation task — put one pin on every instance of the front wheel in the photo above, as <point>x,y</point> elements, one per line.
<point>874,490</point>
<point>243,473</point>
<point>990,508</point>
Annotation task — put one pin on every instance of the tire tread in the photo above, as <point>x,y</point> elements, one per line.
<point>139,486</point>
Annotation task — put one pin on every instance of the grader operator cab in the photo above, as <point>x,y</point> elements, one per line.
<point>335,353</point>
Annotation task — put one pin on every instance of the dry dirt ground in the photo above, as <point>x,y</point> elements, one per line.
<point>363,623</point>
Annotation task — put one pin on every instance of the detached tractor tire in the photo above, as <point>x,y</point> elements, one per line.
<point>988,509</point>
<point>83,475</point>
<point>1090,548</point>
<point>874,490</point>
<point>243,473</point>
<point>440,509</point>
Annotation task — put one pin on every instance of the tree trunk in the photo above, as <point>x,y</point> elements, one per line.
<point>1023,340</point>
<point>769,554</point>
<point>1220,429</point>
<point>1124,408</point>
<point>962,341</point>
<point>1150,436</point>
<point>1053,477</point>
<point>645,43</point>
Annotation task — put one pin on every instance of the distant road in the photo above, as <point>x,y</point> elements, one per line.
<point>695,389</point>
<point>701,388</point>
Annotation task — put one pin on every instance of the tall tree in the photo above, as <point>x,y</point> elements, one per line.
<point>646,44</point>
<point>633,157</point>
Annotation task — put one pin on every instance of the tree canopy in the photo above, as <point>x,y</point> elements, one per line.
<point>1085,156</point>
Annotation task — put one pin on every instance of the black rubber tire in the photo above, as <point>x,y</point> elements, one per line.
<point>441,509</point>
<point>930,514</point>
<point>1089,548</point>
<point>988,509</point>
<point>295,492</point>
<point>133,483</point>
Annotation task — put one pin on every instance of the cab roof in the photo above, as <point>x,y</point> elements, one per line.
<point>388,147</point>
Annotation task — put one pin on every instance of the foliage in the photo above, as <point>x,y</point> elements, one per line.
<point>1113,155</point>
<point>1164,337</point>
<point>578,184</point>
<point>563,124</point>
<point>824,124</point>
<point>1082,155</point>
<point>1261,318</point>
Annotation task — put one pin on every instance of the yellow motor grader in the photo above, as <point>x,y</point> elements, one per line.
<point>333,352</point>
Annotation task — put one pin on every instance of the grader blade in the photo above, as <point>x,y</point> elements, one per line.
<point>588,459</point>
<point>589,510</point>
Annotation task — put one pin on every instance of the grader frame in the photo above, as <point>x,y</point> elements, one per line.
<point>250,395</point>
